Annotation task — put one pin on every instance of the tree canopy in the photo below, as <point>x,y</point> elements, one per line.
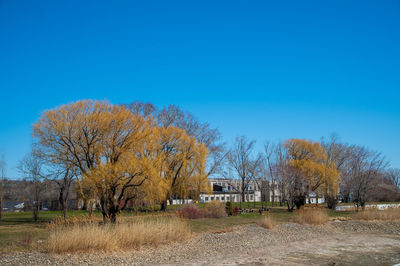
<point>117,151</point>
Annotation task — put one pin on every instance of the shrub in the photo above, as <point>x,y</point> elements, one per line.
<point>229,209</point>
<point>190,212</point>
<point>268,223</point>
<point>389,214</point>
<point>236,211</point>
<point>125,236</point>
<point>331,202</point>
<point>215,209</point>
<point>313,216</point>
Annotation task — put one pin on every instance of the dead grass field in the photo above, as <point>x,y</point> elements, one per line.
<point>268,222</point>
<point>313,216</point>
<point>18,232</point>
<point>119,237</point>
<point>371,214</point>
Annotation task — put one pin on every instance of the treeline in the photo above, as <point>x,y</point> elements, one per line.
<point>116,154</point>
<point>297,168</point>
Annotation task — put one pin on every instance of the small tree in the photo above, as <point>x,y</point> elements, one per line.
<point>2,183</point>
<point>366,168</point>
<point>311,164</point>
<point>63,177</point>
<point>393,175</point>
<point>180,163</point>
<point>31,167</point>
<point>242,164</point>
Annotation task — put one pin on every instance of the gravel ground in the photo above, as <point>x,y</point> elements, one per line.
<point>339,243</point>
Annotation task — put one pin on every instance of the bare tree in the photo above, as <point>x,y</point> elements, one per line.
<point>31,167</point>
<point>340,155</point>
<point>394,175</point>
<point>366,167</point>
<point>242,163</point>
<point>261,180</point>
<point>141,108</point>
<point>270,151</point>
<point>63,178</point>
<point>2,183</point>
<point>292,187</point>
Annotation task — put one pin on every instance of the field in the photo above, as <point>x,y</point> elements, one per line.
<point>18,231</point>
<point>343,237</point>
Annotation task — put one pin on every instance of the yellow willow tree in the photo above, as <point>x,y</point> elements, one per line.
<point>181,163</point>
<point>105,142</point>
<point>313,169</point>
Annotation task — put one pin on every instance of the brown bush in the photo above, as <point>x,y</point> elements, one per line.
<point>124,236</point>
<point>268,223</point>
<point>215,209</point>
<point>190,212</point>
<point>315,216</point>
<point>389,214</point>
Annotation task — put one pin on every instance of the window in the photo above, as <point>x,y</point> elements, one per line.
<point>212,198</point>
<point>227,198</point>
<point>206,199</point>
<point>251,197</point>
<point>216,198</point>
<point>222,198</point>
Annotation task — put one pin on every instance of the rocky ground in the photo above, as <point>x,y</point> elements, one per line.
<point>339,243</point>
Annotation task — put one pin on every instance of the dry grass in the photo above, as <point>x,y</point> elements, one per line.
<point>123,236</point>
<point>370,214</point>
<point>59,221</point>
<point>268,223</point>
<point>340,218</point>
<point>315,216</point>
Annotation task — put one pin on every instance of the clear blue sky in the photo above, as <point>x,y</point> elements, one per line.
<point>265,69</point>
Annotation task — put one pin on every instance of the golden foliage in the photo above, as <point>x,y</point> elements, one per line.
<point>121,155</point>
<point>311,162</point>
<point>181,162</point>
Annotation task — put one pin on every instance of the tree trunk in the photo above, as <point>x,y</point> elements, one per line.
<point>84,205</point>
<point>164,205</point>
<point>273,195</point>
<point>36,211</point>
<point>63,203</point>
<point>113,218</point>
<point>248,199</point>
<point>1,208</point>
<point>89,207</point>
<point>104,218</point>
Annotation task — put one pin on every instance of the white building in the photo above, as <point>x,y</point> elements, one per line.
<point>229,190</point>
